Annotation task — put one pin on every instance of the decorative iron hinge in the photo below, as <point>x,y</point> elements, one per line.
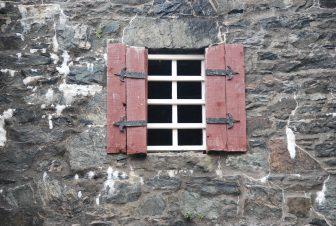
<point>122,124</point>
<point>229,120</point>
<point>221,72</point>
<point>130,74</point>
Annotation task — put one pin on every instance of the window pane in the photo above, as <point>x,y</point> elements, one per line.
<point>189,114</point>
<point>159,67</point>
<point>159,113</point>
<point>189,67</point>
<point>190,137</point>
<point>159,90</point>
<point>189,90</point>
<point>159,137</point>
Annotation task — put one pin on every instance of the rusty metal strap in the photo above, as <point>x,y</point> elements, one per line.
<point>130,74</point>
<point>229,120</point>
<point>221,72</point>
<point>122,124</point>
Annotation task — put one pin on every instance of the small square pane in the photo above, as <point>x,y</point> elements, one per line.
<point>189,68</point>
<point>159,90</point>
<point>189,90</point>
<point>190,137</point>
<point>159,113</point>
<point>159,68</point>
<point>159,137</point>
<point>189,114</point>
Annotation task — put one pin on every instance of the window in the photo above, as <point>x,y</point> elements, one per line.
<point>175,102</point>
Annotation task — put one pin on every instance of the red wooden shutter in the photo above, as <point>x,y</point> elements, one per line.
<point>136,109</point>
<point>116,97</point>
<point>225,98</point>
<point>235,94</point>
<point>126,99</point>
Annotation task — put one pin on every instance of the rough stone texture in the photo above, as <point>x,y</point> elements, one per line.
<point>299,206</point>
<point>53,165</point>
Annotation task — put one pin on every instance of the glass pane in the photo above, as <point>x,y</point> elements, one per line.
<point>159,113</point>
<point>189,90</point>
<point>190,137</point>
<point>189,114</point>
<point>159,137</point>
<point>189,67</point>
<point>159,90</point>
<point>159,67</point>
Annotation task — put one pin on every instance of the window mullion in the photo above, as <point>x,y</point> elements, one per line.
<point>174,97</point>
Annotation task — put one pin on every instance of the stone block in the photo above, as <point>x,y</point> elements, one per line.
<point>299,206</point>
<point>281,162</point>
<point>151,206</point>
<point>171,33</point>
<point>207,186</point>
<point>164,183</point>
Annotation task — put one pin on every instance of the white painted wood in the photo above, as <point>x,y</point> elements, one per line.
<point>176,102</point>
<point>176,125</point>
<point>175,57</point>
<point>176,79</point>
<point>176,148</point>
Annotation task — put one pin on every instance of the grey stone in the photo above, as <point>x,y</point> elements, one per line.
<point>130,2</point>
<point>154,205</point>
<point>326,150</point>
<point>24,195</point>
<point>208,186</point>
<point>164,183</point>
<point>87,149</point>
<point>122,193</point>
<point>318,222</point>
<point>24,61</point>
<point>101,223</point>
<point>22,216</point>
<point>327,4</point>
<point>267,56</point>
<point>111,27</point>
<point>193,203</point>
<point>164,8</point>
<point>177,33</point>
<point>84,75</point>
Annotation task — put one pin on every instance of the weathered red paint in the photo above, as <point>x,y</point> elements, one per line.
<point>116,98</point>
<point>136,96</point>
<point>235,95</point>
<point>216,134</point>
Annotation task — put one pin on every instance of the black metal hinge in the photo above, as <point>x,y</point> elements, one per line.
<point>221,72</point>
<point>229,120</point>
<point>130,74</point>
<point>122,124</point>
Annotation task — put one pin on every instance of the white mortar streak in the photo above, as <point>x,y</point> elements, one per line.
<point>320,195</point>
<point>291,144</point>
<point>129,24</point>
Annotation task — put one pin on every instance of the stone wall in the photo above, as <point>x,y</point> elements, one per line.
<point>53,166</point>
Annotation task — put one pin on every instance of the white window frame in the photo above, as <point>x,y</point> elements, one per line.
<point>174,102</point>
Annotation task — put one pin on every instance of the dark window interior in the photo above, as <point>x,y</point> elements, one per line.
<point>189,114</point>
<point>189,90</point>
<point>190,137</point>
<point>189,67</point>
<point>159,90</point>
<point>159,67</point>
<point>159,113</point>
<point>159,137</point>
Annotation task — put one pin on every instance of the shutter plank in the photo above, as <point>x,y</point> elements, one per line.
<point>216,134</point>
<point>235,94</point>
<point>136,89</point>
<point>116,97</point>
